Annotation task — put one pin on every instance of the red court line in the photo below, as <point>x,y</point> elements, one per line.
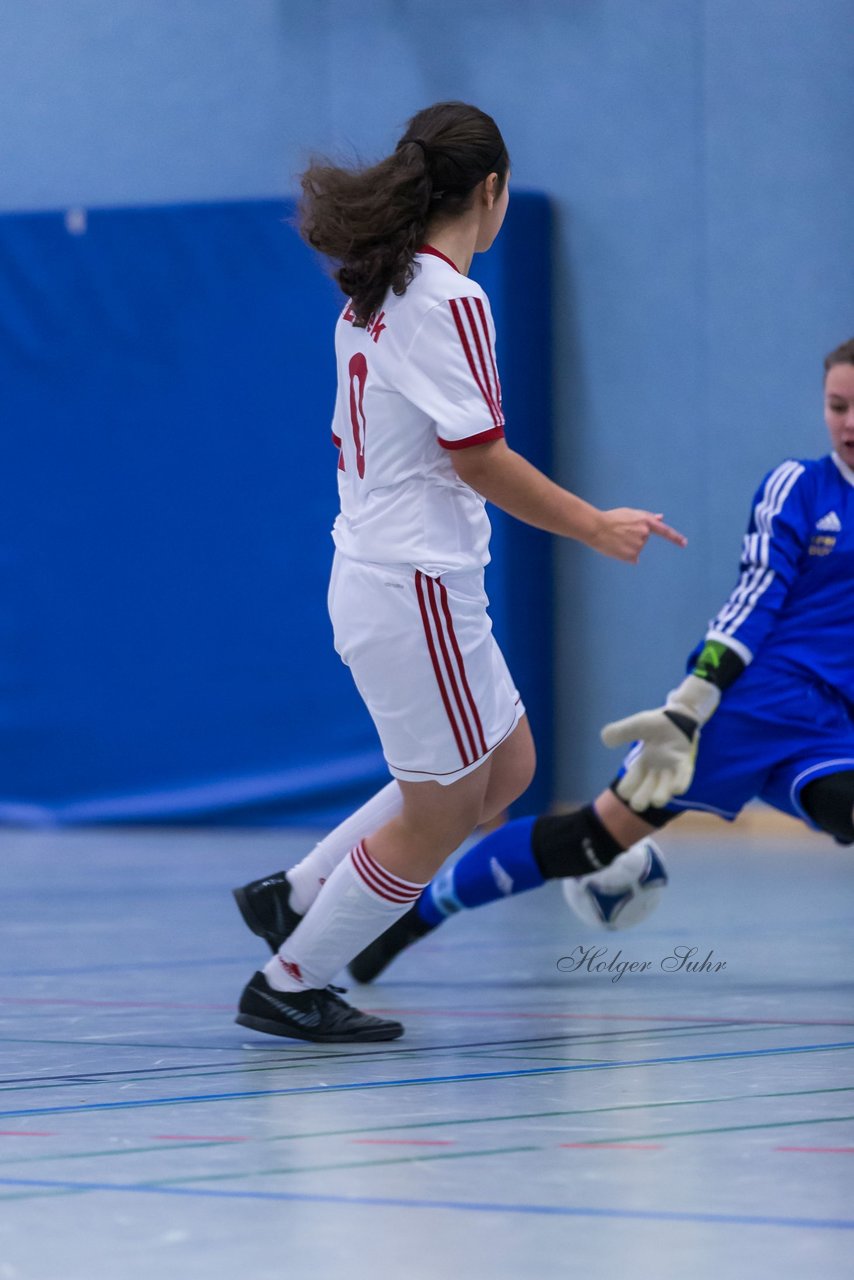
<point>502,1014</point>
<point>405,1142</point>
<point>196,1137</point>
<point>624,1017</point>
<point>28,1133</point>
<point>615,1146</point>
<point>837,1151</point>
<point>116,1004</point>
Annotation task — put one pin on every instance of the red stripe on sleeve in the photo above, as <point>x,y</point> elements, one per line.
<point>476,373</point>
<point>482,342</point>
<point>478,302</point>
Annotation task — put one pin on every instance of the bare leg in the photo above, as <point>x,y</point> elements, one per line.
<point>619,820</point>
<point>513,765</point>
<point>436,819</point>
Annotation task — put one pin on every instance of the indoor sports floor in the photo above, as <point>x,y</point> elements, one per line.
<point>532,1122</point>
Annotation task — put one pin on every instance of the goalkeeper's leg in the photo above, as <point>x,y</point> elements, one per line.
<point>519,856</point>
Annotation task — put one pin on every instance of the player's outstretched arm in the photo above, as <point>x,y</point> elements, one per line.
<point>669,735</point>
<point>512,483</point>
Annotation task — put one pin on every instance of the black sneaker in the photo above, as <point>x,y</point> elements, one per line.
<point>369,963</point>
<point>319,1015</point>
<point>266,909</point>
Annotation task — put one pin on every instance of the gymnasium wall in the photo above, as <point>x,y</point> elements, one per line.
<point>698,156</point>
<point>165,649</point>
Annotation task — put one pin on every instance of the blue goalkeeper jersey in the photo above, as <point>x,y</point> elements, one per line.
<point>793,605</point>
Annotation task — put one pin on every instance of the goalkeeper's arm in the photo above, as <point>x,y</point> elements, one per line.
<point>664,765</point>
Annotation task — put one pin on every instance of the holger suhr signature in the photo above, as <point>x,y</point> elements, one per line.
<point>680,960</point>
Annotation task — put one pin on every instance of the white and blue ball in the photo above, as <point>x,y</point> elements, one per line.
<point>623,893</point>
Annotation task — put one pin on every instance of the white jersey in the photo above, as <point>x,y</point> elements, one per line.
<point>419,381</point>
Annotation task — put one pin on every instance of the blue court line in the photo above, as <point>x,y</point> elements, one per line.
<point>418,1080</point>
<point>555,1210</point>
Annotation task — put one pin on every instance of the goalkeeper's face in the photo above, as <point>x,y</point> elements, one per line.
<point>839,410</point>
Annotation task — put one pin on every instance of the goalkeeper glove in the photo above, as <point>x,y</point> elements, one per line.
<point>664,765</point>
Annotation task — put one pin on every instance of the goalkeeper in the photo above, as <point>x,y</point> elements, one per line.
<point>770,689</point>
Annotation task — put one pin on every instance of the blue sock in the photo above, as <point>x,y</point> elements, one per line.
<point>498,866</point>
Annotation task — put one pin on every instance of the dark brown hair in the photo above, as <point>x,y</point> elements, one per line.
<point>842,355</point>
<point>371,221</point>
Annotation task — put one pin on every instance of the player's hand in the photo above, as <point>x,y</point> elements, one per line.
<point>664,766</point>
<point>624,532</point>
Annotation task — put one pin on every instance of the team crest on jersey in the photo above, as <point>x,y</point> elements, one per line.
<point>829,523</point>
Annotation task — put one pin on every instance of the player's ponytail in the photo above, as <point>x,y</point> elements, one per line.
<point>371,222</point>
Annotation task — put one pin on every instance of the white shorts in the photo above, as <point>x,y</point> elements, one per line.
<point>424,659</point>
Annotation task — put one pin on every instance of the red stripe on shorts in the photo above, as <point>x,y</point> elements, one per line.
<point>437,668</point>
<point>472,704</point>
<point>432,586</point>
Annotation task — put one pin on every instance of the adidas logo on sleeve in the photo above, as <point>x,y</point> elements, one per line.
<point>829,523</point>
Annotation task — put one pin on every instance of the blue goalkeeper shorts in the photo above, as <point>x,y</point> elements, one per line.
<point>773,733</point>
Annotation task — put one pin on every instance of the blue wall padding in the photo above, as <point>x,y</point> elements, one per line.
<point>168,487</point>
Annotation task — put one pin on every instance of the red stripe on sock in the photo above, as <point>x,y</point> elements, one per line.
<point>388,877</point>
<point>381,882</point>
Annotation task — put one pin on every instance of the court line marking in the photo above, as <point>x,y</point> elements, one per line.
<point>835,1151</point>
<point>727,1128</point>
<point>207,1070</point>
<point>404,1142</point>
<point>425,1080</point>
<point>637,1141</point>
<point>328,1166</point>
<point>189,1144</point>
<point>612,1140</point>
<point>201,1137</point>
<point>450,1122</point>
<point>612,1017</point>
<point>582,1211</point>
<point>619,1146</point>
<point>133,967</point>
<point>307,1052</point>
<point>28,1133</point>
<point>439,1012</point>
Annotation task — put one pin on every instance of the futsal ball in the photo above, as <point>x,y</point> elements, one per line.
<point>622,894</point>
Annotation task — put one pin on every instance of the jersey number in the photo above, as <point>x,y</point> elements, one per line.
<point>358,369</point>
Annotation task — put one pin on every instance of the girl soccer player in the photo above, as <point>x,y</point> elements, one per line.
<point>420,433</point>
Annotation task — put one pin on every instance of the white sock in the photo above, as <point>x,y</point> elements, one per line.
<point>359,902</point>
<point>308,877</point>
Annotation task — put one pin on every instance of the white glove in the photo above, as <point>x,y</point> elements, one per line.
<point>664,766</point>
